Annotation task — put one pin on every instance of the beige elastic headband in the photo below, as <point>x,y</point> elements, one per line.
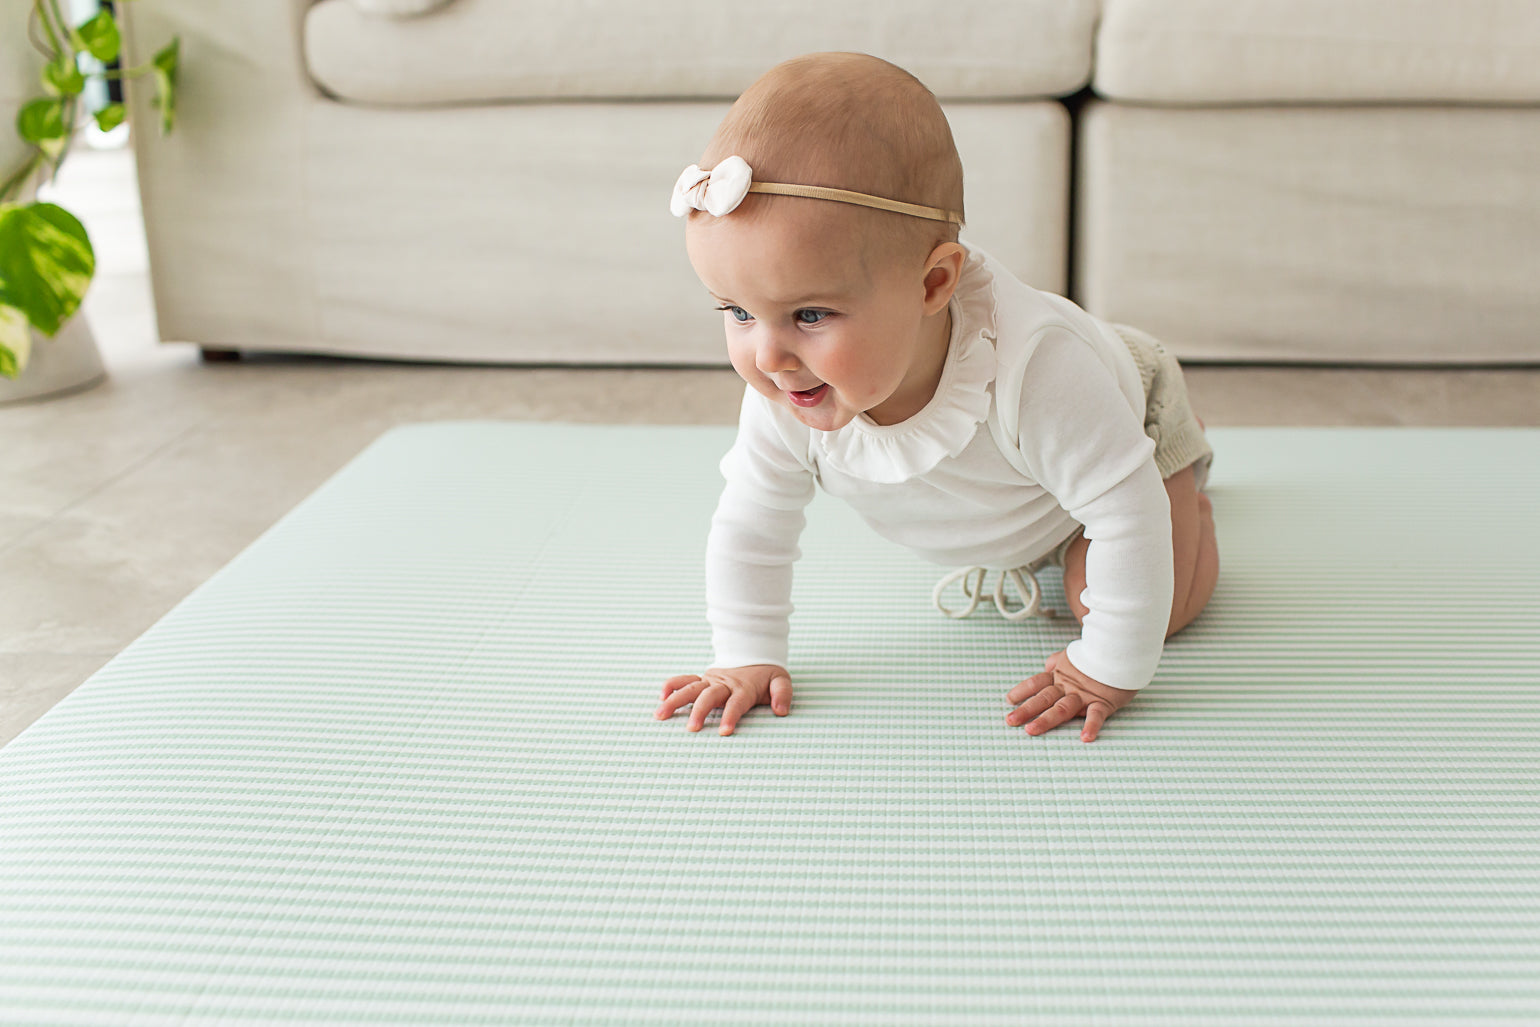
<point>720,190</point>
<point>818,192</point>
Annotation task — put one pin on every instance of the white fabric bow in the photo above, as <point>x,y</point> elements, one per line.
<point>717,192</point>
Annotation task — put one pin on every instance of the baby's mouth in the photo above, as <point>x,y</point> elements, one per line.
<point>808,397</point>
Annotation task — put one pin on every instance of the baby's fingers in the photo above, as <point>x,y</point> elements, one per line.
<point>1066,709</point>
<point>677,682</point>
<point>1030,687</point>
<point>709,699</point>
<point>738,704</point>
<point>680,695</point>
<point>780,696</point>
<point>1096,715</point>
<point>1034,705</point>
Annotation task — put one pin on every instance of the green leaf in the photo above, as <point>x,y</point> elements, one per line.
<point>63,78</point>
<point>110,117</point>
<point>15,341</point>
<point>100,37</point>
<point>166,62</point>
<point>42,121</point>
<point>46,263</point>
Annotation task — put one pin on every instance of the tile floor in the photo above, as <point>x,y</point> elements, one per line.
<point>117,501</point>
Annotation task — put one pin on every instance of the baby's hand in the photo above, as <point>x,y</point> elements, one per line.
<point>1065,693</point>
<point>736,689</point>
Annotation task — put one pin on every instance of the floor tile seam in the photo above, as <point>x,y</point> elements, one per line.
<point>133,468</point>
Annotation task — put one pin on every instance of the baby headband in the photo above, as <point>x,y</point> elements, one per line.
<point>720,190</point>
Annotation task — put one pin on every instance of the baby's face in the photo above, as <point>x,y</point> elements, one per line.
<point>809,322</point>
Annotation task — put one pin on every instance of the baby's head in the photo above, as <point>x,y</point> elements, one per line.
<point>820,292</point>
<point>848,121</point>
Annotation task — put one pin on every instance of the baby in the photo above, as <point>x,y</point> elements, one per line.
<point>979,422</point>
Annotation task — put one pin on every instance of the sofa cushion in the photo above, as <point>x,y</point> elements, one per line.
<point>1241,51</point>
<point>529,233</point>
<point>1362,234</point>
<point>398,8</point>
<point>477,51</point>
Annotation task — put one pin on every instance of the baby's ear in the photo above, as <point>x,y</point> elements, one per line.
<point>943,269</point>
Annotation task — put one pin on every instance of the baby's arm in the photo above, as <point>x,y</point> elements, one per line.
<point>749,558</point>
<point>1087,446</point>
<point>1129,579</point>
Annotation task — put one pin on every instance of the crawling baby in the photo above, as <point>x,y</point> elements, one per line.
<point>983,424</point>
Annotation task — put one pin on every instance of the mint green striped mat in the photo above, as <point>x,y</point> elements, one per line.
<point>397,763</point>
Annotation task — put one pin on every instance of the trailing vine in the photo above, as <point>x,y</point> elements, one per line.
<point>46,258</point>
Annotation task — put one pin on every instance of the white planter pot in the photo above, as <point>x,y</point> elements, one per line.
<point>68,362</point>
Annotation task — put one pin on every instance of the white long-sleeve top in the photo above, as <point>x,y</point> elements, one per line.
<point>1036,428</point>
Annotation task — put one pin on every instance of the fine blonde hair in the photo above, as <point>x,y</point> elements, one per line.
<point>848,121</point>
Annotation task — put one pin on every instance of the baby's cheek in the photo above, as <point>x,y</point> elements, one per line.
<point>857,379</point>
<point>743,363</point>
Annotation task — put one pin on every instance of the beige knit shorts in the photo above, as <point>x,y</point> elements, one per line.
<point>1168,416</point>
<point>1168,419</point>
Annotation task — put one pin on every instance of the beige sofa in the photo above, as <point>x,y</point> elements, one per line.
<point>1321,180</point>
<point>1255,179</point>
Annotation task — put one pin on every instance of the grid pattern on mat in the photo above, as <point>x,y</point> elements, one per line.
<point>396,764</point>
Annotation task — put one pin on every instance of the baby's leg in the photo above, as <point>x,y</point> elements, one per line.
<point>1194,550</point>
<point>1195,554</point>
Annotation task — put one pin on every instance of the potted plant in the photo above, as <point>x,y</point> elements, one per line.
<point>46,258</point>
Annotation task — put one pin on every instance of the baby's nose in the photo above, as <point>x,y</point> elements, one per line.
<point>773,358</point>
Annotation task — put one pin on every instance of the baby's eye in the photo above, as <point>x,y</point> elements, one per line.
<point>810,317</point>
<point>739,314</point>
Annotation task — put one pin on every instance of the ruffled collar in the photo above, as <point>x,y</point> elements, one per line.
<point>943,428</point>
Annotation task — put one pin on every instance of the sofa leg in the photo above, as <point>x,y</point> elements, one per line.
<point>214,355</point>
